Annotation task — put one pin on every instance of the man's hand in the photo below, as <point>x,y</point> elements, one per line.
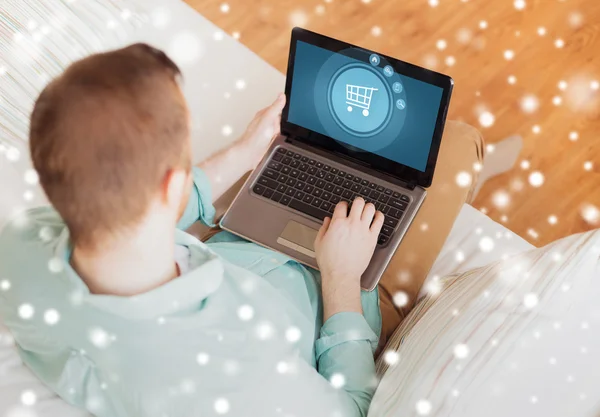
<point>344,247</point>
<point>262,129</point>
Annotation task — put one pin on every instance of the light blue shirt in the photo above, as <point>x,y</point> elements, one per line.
<point>240,334</point>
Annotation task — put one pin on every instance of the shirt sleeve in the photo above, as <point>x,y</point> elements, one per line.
<point>344,353</point>
<point>199,206</point>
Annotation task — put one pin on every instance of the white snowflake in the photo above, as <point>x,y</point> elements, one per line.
<point>433,3</point>
<point>557,100</point>
<point>5,285</point>
<point>590,213</point>
<point>55,265</point>
<point>293,334</point>
<point>51,317</point>
<point>423,407</point>
<point>501,199</point>
<point>245,312</point>
<point>483,24</point>
<point>461,351</point>
<point>264,331</point>
<point>99,338</point>
<point>559,43</point>
<point>512,79</point>
<point>536,179</point>
<point>519,4</point>
<point>221,406</point>
<point>400,299</point>
<point>486,244</point>
<point>552,219</point>
<point>530,300</point>
<point>202,358</point>
<point>530,103</point>
<point>536,129</point>
<point>185,48</point>
<point>391,357</point>
<point>595,85</point>
<point>486,119</point>
<point>298,18</point>
<point>240,84</point>
<point>441,44</point>
<point>541,31</point>
<point>463,179</point>
<point>160,17</point>
<point>533,399</point>
<point>588,165</point>
<point>337,380</point>
<point>450,61</point>
<point>26,311</point>
<point>224,8</point>
<point>376,31</point>
<point>31,177</point>
<point>13,154</point>
<point>282,367</point>
<point>226,130</point>
<point>509,54</point>
<point>28,398</point>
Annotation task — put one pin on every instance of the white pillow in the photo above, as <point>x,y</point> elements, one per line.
<point>519,337</point>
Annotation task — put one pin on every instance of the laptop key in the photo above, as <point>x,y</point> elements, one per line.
<point>373,186</point>
<point>317,202</point>
<point>385,209</point>
<point>357,179</point>
<point>395,213</point>
<point>338,181</point>
<point>286,161</point>
<point>281,188</point>
<point>396,194</point>
<point>297,156</point>
<point>349,176</point>
<point>291,182</point>
<point>303,167</point>
<point>268,193</point>
<point>308,189</point>
<point>321,174</point>
<point>347,184</point>
<point>347,194</point>
<point>308,209</point>
<point>338,190</point>
<point>329,177</point>
<point>400,205</point>
<point>299,195</point>
<point>308,199</point>
<point>374,195</point>
<point>285,200</point>
<point>290,192</point>
<point>270,173</point>
<point>380,188</point>
<point>364,182</point>
<point>386,230</point>
<point>365,191</point>
<point>328,187</point>
<point>382,240</point>
<point>384,198</point>
<point>286,170</point>
<point>317,192</point>
<point>320,183</point>
<point>282,178</point>
<point>326,205</point>
<point>267,182</point>
<point>319,165</point>
<point>277,157</point>
<point>295,163</point>
<point>299,185</point>
<point>342,173</point>
<point>390,222</point>
<point>387,192</point>
<point>258,189</point>
<point>311,162</point>
<point>312,170</point>
<point>311,180</point>
<point>356,188</point>
<point>405,198</point>
<point>303,176</point>
<point>289,153</point>
<point>304,159</point>
<point>326,168</point>
<point>294,173</point>
<point>334,199</point>
<point>334,171</point>
<point>281,150</point>
<point>326,196</point>
<point>275,165</point>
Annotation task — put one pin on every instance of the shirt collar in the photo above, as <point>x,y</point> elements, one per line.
<point>185,292</point>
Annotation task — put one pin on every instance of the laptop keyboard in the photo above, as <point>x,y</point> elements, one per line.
<point>314,188</point>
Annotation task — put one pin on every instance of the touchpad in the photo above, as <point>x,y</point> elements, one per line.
<point>299,237</point>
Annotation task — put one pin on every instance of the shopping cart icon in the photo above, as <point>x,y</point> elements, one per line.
<point>359,96</point>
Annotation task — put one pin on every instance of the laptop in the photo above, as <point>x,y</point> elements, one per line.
<point>356,123</point>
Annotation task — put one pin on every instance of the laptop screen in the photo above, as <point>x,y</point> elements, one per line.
<point>367,107</point>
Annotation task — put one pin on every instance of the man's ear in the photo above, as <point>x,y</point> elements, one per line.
<point>174,187</point>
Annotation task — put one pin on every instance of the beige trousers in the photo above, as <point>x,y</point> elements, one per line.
<point>462,148</point>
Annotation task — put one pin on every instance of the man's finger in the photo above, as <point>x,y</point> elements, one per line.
<point>377,222</point>
<point>277,106</point>
<point>368,213</point>
<point>323,229</point>
<point>357,208</point>
<point>341,210</point>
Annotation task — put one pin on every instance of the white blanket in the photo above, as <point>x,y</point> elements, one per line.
<point>519,337</point>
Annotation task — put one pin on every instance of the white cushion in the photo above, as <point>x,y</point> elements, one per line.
<point>519,337</point>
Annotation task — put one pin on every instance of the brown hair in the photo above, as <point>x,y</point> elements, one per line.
<point>103,136</point>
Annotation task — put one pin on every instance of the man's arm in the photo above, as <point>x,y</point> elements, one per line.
<point>344,350</point>
<point>226,167</point>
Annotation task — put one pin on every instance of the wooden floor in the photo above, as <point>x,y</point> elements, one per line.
<point>476,34</point>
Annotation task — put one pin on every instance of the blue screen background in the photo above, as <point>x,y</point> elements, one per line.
<point>407,136</point>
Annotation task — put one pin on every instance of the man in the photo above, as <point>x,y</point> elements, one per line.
<point>123,315</point>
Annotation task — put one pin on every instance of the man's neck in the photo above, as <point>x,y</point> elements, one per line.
<point>131,263</point>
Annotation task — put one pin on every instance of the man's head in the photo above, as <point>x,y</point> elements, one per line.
<point>109,139</point>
